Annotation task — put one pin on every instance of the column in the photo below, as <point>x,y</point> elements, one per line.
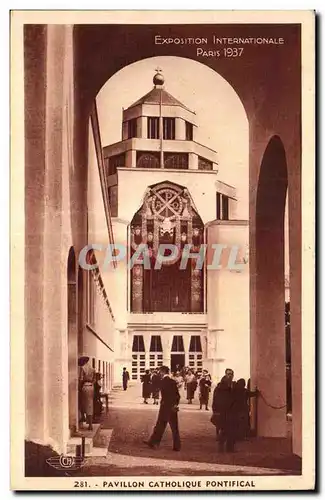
<point>180,132</point>
<point>196,290</point>
<point>35,85</point>
<point>56,368</point>
<point>146,340</point>
<point>212,353</point>
<point>166,339</point>
<point>124,131</point>
<point>186,340</point>
<point>137,288</point>
<point>131,158</point>
<point>270,334</point>
<point>142,127</point>
<point>193,161</point>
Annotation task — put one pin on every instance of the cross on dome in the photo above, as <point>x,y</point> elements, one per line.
<point>158,78</point>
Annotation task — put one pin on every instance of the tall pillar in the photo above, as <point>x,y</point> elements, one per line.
<point>271,362</point>
<point>35,112</point>
<point>269,342</point>
<point>55,309</point>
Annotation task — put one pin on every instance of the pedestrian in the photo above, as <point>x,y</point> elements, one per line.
<point>146,386</point>
<point>178,379</point>
<point>125,378</point>
<point>205,388</point>
<point>86,381</point>
<point>224,414</point>
<point>229,374</point>
<point>168,411</point>
<point>191,385</point>
<point>98,405</point>
<point>242,396</point>
<point>155,386</point>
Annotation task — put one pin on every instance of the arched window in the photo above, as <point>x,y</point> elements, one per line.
<point>167,216</point>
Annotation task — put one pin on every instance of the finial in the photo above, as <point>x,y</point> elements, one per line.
<point>158,79</point>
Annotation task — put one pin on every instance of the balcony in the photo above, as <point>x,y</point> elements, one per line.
<point>168,320</point>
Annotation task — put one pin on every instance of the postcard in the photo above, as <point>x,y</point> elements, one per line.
<point>162,250</point>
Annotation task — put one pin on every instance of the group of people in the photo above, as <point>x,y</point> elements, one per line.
<point>230,405</point>
<point>186,379</point>
<point>151,385</point>
<point>230,408</point>
<point>90,404</point>
<point>193,380</point>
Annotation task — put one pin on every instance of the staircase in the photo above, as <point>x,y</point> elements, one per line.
<point>96,442</point>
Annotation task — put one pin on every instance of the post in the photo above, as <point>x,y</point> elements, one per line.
<point>161,131</point>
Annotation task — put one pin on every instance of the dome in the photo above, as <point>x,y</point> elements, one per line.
<point>158,79</point>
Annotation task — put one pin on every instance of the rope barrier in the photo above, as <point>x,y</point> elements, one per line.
<point>269,405</point>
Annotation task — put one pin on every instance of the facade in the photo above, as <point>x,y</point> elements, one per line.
<point>164,189</point>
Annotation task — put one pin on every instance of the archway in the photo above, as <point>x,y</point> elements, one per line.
<point>72,341</point>
<point>270,360</point>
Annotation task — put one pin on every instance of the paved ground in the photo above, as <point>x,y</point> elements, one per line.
<point>129,422</point>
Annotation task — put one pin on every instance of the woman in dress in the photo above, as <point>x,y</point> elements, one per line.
<point>178,379</point>
<point>146,386</point>
<point>191,385</point>
<point>155,386</point>
<point>86,384</point>
<point>98,405</point>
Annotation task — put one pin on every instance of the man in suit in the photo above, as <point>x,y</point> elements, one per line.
<point>168,411</point>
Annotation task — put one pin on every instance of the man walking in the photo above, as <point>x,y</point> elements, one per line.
<point>168,411</point>
<point>125,378</point>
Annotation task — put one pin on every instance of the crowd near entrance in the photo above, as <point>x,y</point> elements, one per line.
<point>228,399</point>
<point>150,353</point>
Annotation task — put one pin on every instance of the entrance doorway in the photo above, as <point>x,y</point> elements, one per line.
<point>177,361</point>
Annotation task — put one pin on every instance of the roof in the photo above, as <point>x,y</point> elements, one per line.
<point>153,97</point>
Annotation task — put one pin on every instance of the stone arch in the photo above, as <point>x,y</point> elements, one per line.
<point>269,359</point>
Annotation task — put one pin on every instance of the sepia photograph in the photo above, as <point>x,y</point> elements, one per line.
<point>162,222</point>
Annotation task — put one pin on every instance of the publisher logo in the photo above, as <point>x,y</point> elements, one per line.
<point>64,462</point>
